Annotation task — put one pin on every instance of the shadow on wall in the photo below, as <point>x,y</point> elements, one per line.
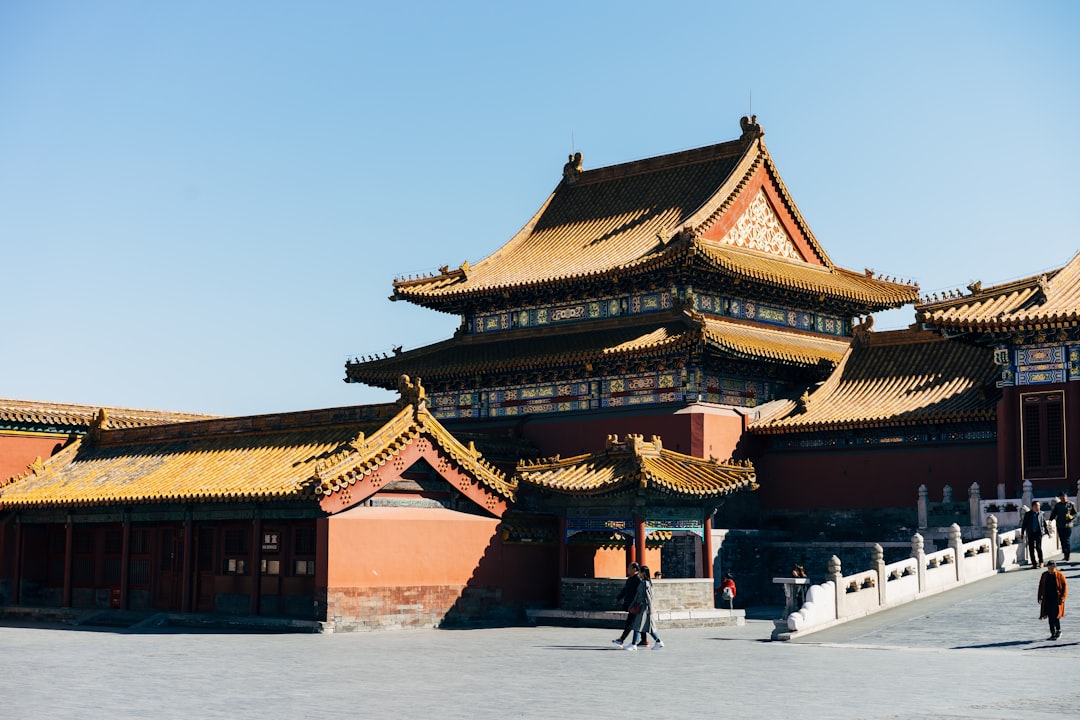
<point>509,578</point>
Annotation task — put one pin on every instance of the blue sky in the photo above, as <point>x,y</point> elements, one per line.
<point>203,204</point>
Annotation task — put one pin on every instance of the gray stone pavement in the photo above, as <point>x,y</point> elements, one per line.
<point>976,652</point>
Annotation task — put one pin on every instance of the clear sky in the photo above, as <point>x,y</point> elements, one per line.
<point>203,205</point>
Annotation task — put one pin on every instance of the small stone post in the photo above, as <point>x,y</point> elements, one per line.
<point>992,534</point>
<point>923,514</point>
<point>946,494</point>
<point>837,579</point>
<point>956,542</point>
<point>920,559</point>
<point>877,559</point>
<point>974,501</point>
<point>1027,496</point>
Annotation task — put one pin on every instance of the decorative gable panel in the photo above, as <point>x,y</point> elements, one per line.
<point>759,228</point>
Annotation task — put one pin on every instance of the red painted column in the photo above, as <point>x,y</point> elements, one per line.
<point>69,532</point>
<point>17,570</point>
<point>562,557</point>
<point>256,559</point>
<point>639,539</point>
<point>706,547</point>
<point>125,562</point>
<point>185,591</point>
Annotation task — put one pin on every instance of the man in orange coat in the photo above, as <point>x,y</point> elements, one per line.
<point>1052,592</point>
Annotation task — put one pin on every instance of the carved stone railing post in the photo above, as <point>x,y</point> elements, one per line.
<point>877,559</point>
<point>956,542</point>
<point>946,494</point>
<point>837,578</point>
<point>1028,495</point>
<point>923,513</point>
<point>992,534</point>
<point>920,559</point>
<point>974,498</point>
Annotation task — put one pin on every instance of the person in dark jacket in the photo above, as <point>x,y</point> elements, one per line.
<point>1052,593</point>
<point>626,597</point>
<point>1031,528</point>
<point>1063,514</point>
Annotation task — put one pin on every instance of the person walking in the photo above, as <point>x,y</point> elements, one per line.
<point>1063,514</point>
<point>626,596</point>
<point>645,621</point>
<point>1031,529</point>
<point>726,591</point>
<point>1052,592</point>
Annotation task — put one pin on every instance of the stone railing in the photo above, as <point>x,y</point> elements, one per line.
<point>977,510</point>
<point>847,597</point>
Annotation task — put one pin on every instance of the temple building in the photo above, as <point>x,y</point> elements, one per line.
<point>903,409</point>
<point>355,518</point>
<point>664,346</point>
<point>665,297</point>
<point>1031,330</point>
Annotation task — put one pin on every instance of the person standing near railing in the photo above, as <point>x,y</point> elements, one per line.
<point>1031,528</point>
<point>1063,514</point>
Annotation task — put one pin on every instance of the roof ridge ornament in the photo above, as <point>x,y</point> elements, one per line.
<point>862,330</point>
<point>412,393</point>
<point>1044,288</point>
<point>99,423</point>
<point>751,130</point>
<point>572,168</point>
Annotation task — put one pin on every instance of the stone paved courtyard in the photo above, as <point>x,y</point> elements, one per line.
<point>978,652</point>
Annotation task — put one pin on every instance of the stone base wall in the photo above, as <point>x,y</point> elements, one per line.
<point>598,594</point>
<point>422,606</point>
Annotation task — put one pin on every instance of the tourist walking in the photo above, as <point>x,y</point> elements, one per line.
<point>1052,591</point>
<point>645,621</point>
<point>1031,528</point>
<point>626,596</point>
<point>726,591</point>
<point>1063,514</point>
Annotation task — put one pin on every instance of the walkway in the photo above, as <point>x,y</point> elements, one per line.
<point>977,652</point>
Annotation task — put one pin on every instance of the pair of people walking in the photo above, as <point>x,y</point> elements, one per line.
<point>637,597</point>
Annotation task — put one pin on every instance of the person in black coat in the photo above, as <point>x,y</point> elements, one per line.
<point>1031,528</point>
<point>1063,514</point>
<point>626,597</point>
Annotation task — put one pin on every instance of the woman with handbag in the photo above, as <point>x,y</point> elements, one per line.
<point>644,623</point>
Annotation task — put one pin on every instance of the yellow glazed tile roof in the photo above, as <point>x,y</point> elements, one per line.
<point>901,377</point>
<point>675,333</point>
<point>65,415</point>
<point>364,455</point>
<point>639,216</point>
<point>749,340</point>
<point>638,464</point>
<point>288,456</point>
<point>1048,300</point>
<point>825,281</point>
<point>607,218</point>
<point>529,350</point>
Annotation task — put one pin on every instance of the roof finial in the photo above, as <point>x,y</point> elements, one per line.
<point>750,128</point>
<point>572,168</point>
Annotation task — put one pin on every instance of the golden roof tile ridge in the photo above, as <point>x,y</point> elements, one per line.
<point>659,163</point>
<point>247,425</point>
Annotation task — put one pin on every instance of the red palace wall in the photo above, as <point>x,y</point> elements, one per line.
<point>876,478</point>
<point>1010,466</point>
<point>389,566</point>
<point>18,451</point>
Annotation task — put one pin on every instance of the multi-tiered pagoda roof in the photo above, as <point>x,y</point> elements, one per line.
<point>697,261</point>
